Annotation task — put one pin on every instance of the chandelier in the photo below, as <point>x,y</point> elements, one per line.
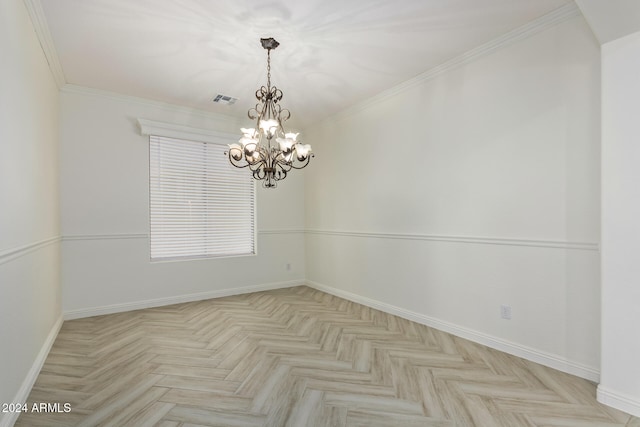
<point>268,150</point>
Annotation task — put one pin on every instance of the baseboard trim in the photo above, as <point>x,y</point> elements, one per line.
<point>532,354</point>
<point>617,400</point>
<point>23,393</point>
<point>158,302</point>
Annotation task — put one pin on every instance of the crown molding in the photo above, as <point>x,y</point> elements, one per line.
<point>39,22</point>
<point>38,19</point>
<point>194,112</point>
<point>551,19</point>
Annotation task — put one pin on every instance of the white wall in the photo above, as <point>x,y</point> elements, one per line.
<point>105,210</point>
<point>29,214</point>
<point>620,382</point>
<point>472,189</point>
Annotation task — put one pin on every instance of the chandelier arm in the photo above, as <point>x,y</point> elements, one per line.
<point>275,94</point>
<point>240,166</point>
<point>304,163</point>
<point>284,114</point>
<point>255,112</point>
<point>235,157</point>
<point>254,166</point>
<point>273,109</point>
<point>257,164</point>
<point>280,174</point>
<point>259,173</point>
<point>269,183</point>
<point>283,163</point>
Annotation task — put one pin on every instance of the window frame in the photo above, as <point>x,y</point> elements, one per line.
<point>151,128</point>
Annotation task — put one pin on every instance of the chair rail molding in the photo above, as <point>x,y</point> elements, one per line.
<point>134,236</point>
<point>13,253</point>
<point>557,244</point>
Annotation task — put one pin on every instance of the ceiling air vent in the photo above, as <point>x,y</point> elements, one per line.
<point>224,99</point>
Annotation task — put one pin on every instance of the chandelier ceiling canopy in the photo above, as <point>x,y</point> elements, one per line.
<point>267,149</point>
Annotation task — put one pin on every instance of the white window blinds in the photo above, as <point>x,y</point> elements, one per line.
<point>200,206</point>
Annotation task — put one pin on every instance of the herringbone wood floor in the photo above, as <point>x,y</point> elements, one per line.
<point>295,357</point>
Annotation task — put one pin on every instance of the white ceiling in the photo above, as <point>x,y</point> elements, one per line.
<point>333,53</point>
<point>611,19</point>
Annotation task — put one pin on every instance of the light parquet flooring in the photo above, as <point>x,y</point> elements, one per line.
<point>295,357</point>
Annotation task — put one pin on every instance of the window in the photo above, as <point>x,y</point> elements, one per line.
<point>200,206</point>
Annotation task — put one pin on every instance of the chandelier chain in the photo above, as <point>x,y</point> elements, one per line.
<point>269,68</point>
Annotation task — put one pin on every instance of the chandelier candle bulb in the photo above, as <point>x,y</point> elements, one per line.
<point>269,126</point>
<point>268,150</point>
<point>286,143</point>
<point>303,151</point>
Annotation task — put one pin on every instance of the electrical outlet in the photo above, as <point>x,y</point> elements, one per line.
<point>505,312</point>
